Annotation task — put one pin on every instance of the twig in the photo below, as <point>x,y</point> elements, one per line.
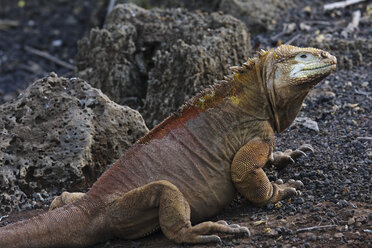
<point>110,7</point>
<point>361,92</point>
<point>334,221</point>
<point>288,28</point>
<point>5,24</point>
<point>32,67</point>
<point>293,39</point>
<point>320,222</point>
<point>364,138</point>
<point>278,35</point>
<point>341,4</point>
<point>319,22</point>
<point>354,22</point>
<point>314,228</point>
<point>47,56</point>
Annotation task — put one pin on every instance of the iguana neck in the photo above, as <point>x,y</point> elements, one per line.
<point>252,96</point>
<point>283,109</point>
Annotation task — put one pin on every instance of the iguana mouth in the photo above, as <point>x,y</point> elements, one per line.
<point>314,69</point>
<point>311,68</point>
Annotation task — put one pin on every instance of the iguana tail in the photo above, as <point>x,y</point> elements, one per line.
<point>74,225</point>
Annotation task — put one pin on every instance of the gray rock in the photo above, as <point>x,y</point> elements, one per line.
<point>306,122</point>
<point>338,235</point>
<point>257,15</point>
<point>158,59</point>
<point>342,203</point>
<point>60,134</point>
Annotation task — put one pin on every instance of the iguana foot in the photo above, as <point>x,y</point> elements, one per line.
<point>64,199</point>
<point>283,190</point>
<point>288,157</point>
<point>201,233</point>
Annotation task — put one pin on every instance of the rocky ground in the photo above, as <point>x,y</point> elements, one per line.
<point>335,208</point>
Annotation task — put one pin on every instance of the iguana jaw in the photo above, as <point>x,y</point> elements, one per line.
<point>312,69</point>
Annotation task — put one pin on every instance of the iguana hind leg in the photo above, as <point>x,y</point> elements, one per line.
<point>138,212</point>
<point>64,199</point>
<point>250,179</point>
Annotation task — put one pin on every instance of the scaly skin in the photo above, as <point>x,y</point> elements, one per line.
<point>189,167</point>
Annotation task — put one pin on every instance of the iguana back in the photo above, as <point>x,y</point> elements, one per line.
<point>190,156</point>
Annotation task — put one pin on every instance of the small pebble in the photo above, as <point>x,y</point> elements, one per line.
<point>57,43</point>
<point>338,235</point>
<point>312,237</point>
<point>331,213</point>
<point>316,217</point>
<point>270,206</point>
<point>350,213</point>
<point>31,23</point>
<point>342,203</point>
<point>351,221</point>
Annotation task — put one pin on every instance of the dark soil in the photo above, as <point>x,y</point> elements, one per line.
<point>337,177</point>
<point>50,26</point>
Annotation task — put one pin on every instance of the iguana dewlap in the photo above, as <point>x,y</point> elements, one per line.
<point>190,166</point>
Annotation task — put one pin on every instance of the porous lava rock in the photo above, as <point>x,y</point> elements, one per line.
<point>259,16</point>
<point>155,60</point>
<point>60,134</point>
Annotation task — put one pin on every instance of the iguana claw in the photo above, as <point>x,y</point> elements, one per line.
<point>236,228</point>
<point>201,232</point>
<point>288,157</point>
<point>296,184</point>
<point>279,181</point>
<point>284,190</point>
<point>306,148</point>
<point>297,153</point>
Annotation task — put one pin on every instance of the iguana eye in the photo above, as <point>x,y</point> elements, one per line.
<point>304,57</point>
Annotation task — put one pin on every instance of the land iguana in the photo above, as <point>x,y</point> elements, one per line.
<point>189,167</point>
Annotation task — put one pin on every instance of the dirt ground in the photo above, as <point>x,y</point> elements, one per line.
<point>335,209</point>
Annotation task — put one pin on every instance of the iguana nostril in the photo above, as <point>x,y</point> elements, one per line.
<point>333,59</point>
<point>324,54</point>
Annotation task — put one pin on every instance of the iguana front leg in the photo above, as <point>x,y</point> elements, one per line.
<point>288,157</point>
<point>160,204</point>
<point>250,179</point>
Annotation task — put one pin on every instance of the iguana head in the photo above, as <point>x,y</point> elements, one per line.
<point>289,73</point>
